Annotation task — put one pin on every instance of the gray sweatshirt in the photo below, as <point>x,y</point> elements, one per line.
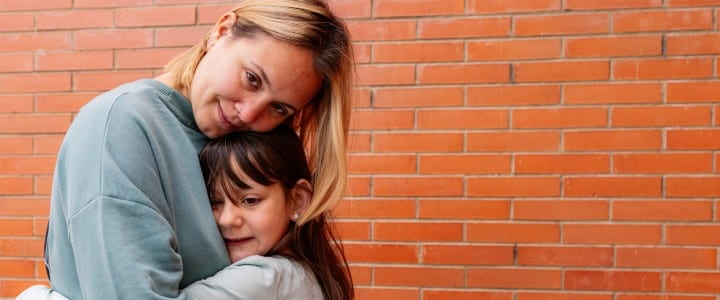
<point>129,213</point>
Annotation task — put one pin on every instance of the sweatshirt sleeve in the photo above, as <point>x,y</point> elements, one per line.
<point>120,224</point>
<point>124,250</point>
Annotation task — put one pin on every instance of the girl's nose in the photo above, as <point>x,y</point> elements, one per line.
<point>229,216</point>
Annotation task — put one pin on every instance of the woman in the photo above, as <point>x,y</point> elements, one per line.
<point>129,213</point>
<point>259,184</point>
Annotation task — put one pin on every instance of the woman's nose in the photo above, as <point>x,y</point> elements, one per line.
<point>250,111</point>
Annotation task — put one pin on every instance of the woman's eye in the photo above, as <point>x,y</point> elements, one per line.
<point>279,109</point>
<point>251,201</point>
<point>252,79</point>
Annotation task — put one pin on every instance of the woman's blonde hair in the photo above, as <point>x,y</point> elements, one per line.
<point>323,122</point>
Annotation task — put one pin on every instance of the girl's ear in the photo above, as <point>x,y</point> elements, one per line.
<point>301,197</point>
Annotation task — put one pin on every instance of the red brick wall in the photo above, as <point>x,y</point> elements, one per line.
<point>501,149</point>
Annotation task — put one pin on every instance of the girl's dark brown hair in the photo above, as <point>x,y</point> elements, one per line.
<point>272,157</point>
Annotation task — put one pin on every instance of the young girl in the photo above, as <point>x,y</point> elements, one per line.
<point>259,185</point>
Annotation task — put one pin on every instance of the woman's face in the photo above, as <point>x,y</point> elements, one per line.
<point>252,220</point>
<point>251,83</point>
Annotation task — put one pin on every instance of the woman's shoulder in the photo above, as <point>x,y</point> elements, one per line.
<point>136,95</point>
<point>142,101</point>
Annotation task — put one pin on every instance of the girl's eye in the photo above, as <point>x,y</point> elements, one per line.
<point>279,109</point>
<point>253,80</point>
<point>251,201</point>
<point>215,203</point>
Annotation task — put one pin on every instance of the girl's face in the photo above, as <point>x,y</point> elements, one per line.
<point>250,83</point>
<point>252,220</point>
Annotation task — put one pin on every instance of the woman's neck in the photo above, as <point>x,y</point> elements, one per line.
<point>168,79</point>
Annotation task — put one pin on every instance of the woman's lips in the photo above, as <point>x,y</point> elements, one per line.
<point>223,120</point>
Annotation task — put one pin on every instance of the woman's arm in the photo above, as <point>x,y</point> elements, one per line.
<point>129,213</point>
<point>108,193</point>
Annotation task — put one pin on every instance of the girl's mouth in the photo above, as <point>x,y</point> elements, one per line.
<point>237,242</point>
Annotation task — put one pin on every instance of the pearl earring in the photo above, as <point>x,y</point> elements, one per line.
<point>295,217</point>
